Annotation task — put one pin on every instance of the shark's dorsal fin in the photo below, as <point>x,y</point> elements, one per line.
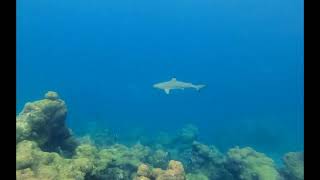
<point>174,79</point>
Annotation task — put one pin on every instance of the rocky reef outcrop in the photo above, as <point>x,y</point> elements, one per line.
<point>174,171</point>
<point>247,164</point>
<point>43,122</point>
<point>294,166</point>
<point>46,149</point>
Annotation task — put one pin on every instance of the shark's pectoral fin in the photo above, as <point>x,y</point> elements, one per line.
<point>167,91</point>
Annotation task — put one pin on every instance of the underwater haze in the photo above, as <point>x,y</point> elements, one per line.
<point>103,58</point>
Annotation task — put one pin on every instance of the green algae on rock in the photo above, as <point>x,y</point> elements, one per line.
<point>158,158</point>
<point>51,95</point>
<point>117,161</point>
<point>250,165</point>
<point>175,171</point>
<point>294,165</point>
<point>207,161</point>
<point>43,121</point>
<point>42,138</point>
<point>32,163</point>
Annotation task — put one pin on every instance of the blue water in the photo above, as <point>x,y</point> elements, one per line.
<point>103,57</point>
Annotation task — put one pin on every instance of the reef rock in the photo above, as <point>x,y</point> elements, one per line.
<point>175,171</point>
<point>32,163</point>
<point>117,161</point>
<point>247,164</point>
<point>208,160</point>
<point>159,158</point>
<point>43,122</point>
<point>294,165</point>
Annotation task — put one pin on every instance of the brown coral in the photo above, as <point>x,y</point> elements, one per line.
<point>144,170</point>
<point>175,171</point>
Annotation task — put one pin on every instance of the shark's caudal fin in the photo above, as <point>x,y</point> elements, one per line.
<point>198,87</point>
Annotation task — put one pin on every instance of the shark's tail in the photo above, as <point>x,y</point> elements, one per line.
<point>198,87</point>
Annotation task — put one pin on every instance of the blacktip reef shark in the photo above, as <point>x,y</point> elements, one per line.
<point>174,84</point>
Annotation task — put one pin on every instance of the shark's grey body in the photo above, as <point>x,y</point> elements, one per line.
<point>174,84</point>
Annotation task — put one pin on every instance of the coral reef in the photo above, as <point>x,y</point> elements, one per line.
<point>118,162</point>
<point>201,154</point>
<point>104,138</point>
<point>208,160</point>
<point>197,176</point>
<point>294,166</point>
<point>46,149</point>
<point>174,171</point>
<point>246,163</point>
<point>43,121</point>
<point>182,140</point>
<point>159,158</point>
<point>100,137</point>
<point>180,144</point>
<point>32,163</point>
